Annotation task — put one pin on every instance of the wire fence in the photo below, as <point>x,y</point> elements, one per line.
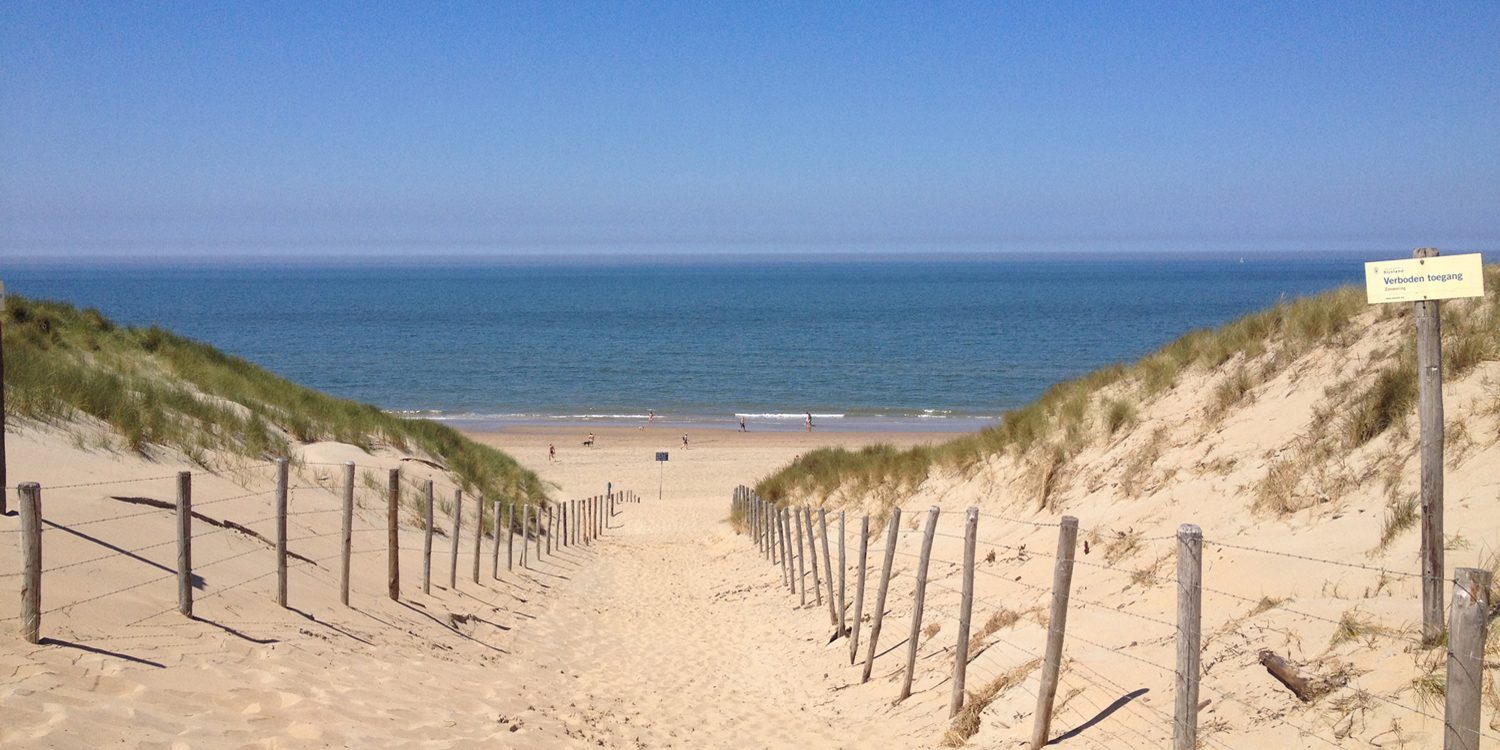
<point>1136,619</point>
<point>214,533</point>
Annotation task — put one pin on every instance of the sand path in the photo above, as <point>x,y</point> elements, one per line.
<point>662,641</point>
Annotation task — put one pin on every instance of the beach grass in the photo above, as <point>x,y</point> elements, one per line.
<point>1106,404</point>
<point>155,388</point>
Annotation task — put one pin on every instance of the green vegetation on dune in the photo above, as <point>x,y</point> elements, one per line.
<point>1105,405</point>
<point>153,387</point>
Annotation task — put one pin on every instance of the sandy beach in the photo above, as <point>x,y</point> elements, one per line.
<point>669,631</point>
<point>708,469</point>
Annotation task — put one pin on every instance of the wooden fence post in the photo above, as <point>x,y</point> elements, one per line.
<point>427,542</point>
<point>525,531</point>
<point>30,496</point>
<point>1057,624</point>
<point>779,529</point>
<point>843,568</point>
<point>347,537</point>
<point>185,543</point>
<point>392,534</point>
<point>562,525</point>
<point>859,589</point>
<point>801,556</point>
<point>812,544</point>
<point>550,524</point>
<point>788,548</point>
<point>458,514</point>
<point>1430,414</point>
<point>833,615</point>
<point>1189,635</point>
<point>282,470</point>
<point>538,524</point>
<point>919,597</point>
<point>885,582</point>
<point>965,613</point>
<point>495,550</point>
<point>478,533</point>
<point>1466,635</point>
<point>510,535</point>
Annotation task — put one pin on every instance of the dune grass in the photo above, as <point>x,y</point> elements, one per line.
<point>1105,404</point>
<point>155,388</point>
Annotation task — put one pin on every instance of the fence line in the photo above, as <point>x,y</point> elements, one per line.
<point>186,569</point>
<point>769,523</point>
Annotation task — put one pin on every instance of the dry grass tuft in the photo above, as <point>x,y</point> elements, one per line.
<point>998,621</point>
<point>969,718</point>
<point>1400,515</point>
<point>932,629</point>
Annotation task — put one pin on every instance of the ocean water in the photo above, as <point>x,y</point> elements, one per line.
<point>943,345</point>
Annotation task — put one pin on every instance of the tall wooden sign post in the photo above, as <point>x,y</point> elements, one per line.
<point>1424,280</point>
<point>661,460</point>
<point>3,483</point>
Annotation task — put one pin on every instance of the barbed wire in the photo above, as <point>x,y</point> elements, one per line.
<point>1296,556</point>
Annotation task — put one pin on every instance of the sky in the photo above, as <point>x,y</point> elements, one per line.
<point>227,129</point>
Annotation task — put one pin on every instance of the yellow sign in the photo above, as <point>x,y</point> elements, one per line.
<point>1417,279</point>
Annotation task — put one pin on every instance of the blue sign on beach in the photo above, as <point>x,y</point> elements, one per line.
<point>661,456</point>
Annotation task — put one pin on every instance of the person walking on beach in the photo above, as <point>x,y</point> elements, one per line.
<point>684,441</point>
<point>650,415</point>
<point>551,453</point>
<point>590,442</point>
<point>742,425</point>
<point>809,421</point>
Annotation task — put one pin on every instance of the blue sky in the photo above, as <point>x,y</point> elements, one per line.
<point>212,129</point>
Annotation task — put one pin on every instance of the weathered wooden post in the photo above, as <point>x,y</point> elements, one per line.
<point>1430,414</point>
<point>346,538</point>
<point>788,548</point>
<point>562,525</point>
<point>833,616</point>
<point>549,529</point>
<point>965,612</point>
<point>427,542</point>
<point>458,514</point>
<point>779,529</point>
<point>392,534</point>
<point>282,470</point>
<point>495,550</point>
<point>525,531</point>
<point>894,529</point>
<point>812,544</point>
<point>4,482</point>
<point>919,597</point>
<point>478,533</point>
<point>1189,635</point>
<point>510,535</point>
<point>843,568</point>
<point>30,496</point>
<point>1466,636</point>
<point>1057,624</point>
<point>185,543</point>
<point>859,589</point>
<point>538,524</point>
<point>801,556</point>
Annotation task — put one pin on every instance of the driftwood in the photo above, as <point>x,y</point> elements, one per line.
<point>1306,689</point>
<point>223,524</point>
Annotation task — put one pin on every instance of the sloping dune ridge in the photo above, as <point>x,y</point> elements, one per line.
<point>673,630</point>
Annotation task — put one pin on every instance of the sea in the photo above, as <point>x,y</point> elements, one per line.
<point>860,344</point>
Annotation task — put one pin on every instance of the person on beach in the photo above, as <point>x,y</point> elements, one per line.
<point>590,441</point>
<point>809,421</point>
<point>551,453</point>
<point>684,441</point>
<point>650,415</point>
<point>742,425</point>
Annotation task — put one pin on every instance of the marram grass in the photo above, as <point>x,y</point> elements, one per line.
<point>153,387</point>
<point>1104,405</point>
